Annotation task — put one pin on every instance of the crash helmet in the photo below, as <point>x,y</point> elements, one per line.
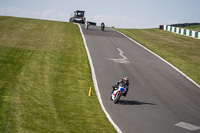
<point>125,79</point>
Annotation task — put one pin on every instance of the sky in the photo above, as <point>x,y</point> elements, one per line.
<point>132,14</point>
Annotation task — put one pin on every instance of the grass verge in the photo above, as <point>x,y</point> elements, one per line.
<point>183,52</point>
<point>45,78</point>
<point>193,27</point>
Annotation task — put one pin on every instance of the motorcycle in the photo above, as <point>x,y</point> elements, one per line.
<point>117,93</point>
<point>102,26</point>
<point>87,26</point>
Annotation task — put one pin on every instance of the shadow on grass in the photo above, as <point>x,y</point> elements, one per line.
<point>133,102</point>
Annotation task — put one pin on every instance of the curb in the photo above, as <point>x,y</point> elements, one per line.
<point>182,31</point>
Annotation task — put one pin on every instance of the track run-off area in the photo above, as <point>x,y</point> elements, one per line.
<point>160,98</point>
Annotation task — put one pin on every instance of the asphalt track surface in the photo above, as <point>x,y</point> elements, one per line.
<point>159,97</point>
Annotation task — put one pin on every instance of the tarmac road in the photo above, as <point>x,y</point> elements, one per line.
<point>160,99</point>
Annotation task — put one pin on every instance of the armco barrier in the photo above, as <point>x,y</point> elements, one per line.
<point>182,31</point>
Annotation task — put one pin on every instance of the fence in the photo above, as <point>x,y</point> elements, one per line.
<point>182,31</point>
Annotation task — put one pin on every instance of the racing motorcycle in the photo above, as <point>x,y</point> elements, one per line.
<point>102,26</point>
<point>87,26</point>
<point>117,93</point>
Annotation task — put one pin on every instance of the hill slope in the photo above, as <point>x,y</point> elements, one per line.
<point>45,79</point>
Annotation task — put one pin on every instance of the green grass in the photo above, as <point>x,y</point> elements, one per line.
<point>193,27</point>
<point>181,51</point>
<point>45,78</point>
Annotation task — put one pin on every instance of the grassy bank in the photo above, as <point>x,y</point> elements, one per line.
<point>181,51</point>
<point>193,27</point>
<point>45,78</point>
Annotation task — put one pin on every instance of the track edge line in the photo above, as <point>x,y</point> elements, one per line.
<point>191,80</point>
<point>96,84</point>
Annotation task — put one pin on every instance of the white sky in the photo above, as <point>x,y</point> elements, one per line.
<point>118,13</point>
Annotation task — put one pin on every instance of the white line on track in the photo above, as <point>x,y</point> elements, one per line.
<point>123,60</point>
<point>96,85</point>
<point>121,54</point>
<point>187,126</point>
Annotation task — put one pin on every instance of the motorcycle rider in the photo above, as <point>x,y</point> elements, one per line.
<point>125,80</point>
<point>87,25</point>
<point>102,26</point>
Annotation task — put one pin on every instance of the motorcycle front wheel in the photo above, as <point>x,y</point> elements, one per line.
<point>117,97</point>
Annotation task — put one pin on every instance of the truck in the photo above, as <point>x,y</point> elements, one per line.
<point>79,17</point>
